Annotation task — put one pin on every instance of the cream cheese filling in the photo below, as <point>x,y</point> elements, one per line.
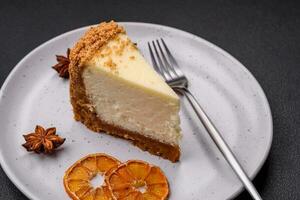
<point>132,107</point>
<point>125,91</point>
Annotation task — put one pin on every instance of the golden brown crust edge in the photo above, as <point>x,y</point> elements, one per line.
<point>93,40</point>
<point>81,106</point>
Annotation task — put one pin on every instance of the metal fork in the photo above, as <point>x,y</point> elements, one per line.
<point>165,64</point>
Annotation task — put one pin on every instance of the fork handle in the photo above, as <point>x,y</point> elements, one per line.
<point>221,144</point>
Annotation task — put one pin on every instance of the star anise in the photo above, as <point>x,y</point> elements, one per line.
<point>43,141</point>
<point>62,67</point>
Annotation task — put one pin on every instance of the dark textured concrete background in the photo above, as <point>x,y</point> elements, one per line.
<point>263,35</point>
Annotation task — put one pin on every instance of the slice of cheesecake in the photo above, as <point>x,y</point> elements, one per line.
<point>113,89</point>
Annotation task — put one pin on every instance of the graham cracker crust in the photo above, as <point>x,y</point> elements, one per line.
<point>84,111</point>
<point>93,122</point>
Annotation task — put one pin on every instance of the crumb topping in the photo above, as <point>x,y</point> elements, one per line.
<point>133,47</point>
<point>93,40</point>
<point>109,63</point>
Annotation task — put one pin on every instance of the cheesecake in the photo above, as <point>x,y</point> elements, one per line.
<point>114,90</point>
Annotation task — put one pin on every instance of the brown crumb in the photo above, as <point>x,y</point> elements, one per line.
<point>131,57</point>
<point>109,63</point>
<point>133,47</point>
<point>106,52</point>
<point>119,52</point>
<point>93,40</point>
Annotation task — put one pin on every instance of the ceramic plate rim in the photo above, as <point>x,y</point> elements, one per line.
<point>29,194</point>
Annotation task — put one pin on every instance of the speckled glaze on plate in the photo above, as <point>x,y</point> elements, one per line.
<point>34,94</point>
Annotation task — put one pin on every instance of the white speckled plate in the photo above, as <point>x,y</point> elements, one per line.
<point>34,94</point>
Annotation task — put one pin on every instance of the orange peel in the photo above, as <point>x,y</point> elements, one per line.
<point>77,179</point>
<point>137,180</point>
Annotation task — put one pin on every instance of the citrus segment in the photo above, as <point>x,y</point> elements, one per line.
<point>124,175</point>
<point>75,185</point>
<point>150,196</point>
<point>155,176</point>
<point>118,182</point>
<point>77,179</point>
<point>158,189</point>
<point>105,163</point>
<point>131,196</point>
<point>139,171</point>
<point>79,173</point>
<point>83,191</point>
<point>90,163</point>
<point>103,194</point>
<point>135,180</point>
<point>89,196</point>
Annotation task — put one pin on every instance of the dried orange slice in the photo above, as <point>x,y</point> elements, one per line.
<point>137,180</point>
<point>77,179</point>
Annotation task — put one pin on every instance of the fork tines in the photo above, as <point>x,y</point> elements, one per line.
<point>163,61</point>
